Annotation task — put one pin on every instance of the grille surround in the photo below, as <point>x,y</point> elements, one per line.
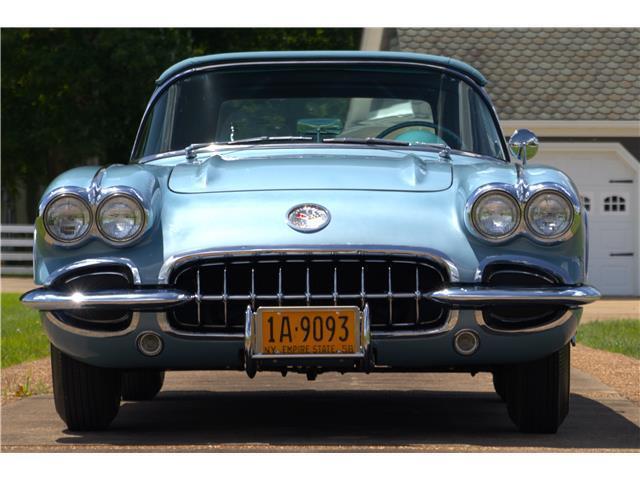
<point>220,300</point>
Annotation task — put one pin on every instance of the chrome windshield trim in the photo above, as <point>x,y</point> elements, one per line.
<point>487,296</point>
<point>564,318</point>
<point>178,260</point>
<point>442,68</point>
<point>45,299</point>
<point>51,318</point>
<point>95,262</point>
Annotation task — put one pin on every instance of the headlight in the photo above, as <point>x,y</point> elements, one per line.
<point>549,214</point>
<point>67,218</point>
<point>120,218</point>
<point>496,215</point>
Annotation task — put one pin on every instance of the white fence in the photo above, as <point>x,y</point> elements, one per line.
<point>16,253</point>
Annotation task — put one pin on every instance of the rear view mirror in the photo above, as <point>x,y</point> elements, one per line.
<point>319,127</point>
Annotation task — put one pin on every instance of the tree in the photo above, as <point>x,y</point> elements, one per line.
<point>71,96</point>
<point>76,96</point>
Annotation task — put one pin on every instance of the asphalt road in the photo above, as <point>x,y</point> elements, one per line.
<point>226,411</point>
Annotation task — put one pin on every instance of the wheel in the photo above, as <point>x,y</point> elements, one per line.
<point>499,383</point>
<point>538,393</point>
<point>86,397</point>
<point>141,384</point>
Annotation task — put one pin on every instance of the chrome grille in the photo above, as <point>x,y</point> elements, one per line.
<point>394,287</point>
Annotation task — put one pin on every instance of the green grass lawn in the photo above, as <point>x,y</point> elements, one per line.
<point>23,338</point>
<point>619,336</point>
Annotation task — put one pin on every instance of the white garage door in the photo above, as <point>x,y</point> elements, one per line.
<point>608,183</point>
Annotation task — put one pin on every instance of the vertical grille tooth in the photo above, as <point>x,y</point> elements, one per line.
<point>335,285</point>
<point>225,298</point>
<point>307,290</point>
<point>390,295</point>
<point>394,288</point>
<point>418,294</point>
<point>280,286</point>
<point>198,297</point>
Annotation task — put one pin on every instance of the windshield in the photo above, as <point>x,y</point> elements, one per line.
<point>417,106</point>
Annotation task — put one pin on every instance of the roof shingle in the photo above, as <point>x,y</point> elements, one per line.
<point>544,73</point>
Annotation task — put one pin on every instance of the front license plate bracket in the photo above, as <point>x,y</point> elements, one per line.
<point>269,336</point>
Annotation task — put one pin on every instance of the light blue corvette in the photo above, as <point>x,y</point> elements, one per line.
<point>311,212</point>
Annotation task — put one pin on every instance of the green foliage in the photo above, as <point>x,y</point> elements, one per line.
<point>269,39</point>
<point>72,96</point>
<point>22,336</point>
<point>619,336</point>
<point>76,96</point>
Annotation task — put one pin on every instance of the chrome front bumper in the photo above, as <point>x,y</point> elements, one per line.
<point>466,297</point>
<point>136,300</point>
<point>164,299</point>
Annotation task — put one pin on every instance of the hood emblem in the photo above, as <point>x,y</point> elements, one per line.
<point>308,217</point>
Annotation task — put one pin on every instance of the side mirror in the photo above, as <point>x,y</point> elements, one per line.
<point>524,144</point>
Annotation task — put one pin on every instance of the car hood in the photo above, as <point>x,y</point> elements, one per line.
<point>313,169</point>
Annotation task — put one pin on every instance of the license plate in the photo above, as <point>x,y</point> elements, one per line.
<point>308,331</point>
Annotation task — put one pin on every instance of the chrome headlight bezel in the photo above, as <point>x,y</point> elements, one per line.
<point>505,191</point>
<point>93,200</point>
<point>523,194</point>
<point>83,202</point>
<point>104,201</point>
<point>571,210</point>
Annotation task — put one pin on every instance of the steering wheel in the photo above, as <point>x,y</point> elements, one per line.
<point>417,123</point>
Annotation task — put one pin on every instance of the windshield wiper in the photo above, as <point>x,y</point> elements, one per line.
<point>443,149</point>
<point>190,151</point>
<point>367,141</point>
<point>265,139</point>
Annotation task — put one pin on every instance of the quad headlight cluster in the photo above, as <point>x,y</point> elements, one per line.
<point>497,215</point>
<point>118,218</point>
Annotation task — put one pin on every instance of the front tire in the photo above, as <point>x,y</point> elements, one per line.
<point>140,385</point>
<point>500,384</point>
<point>86,397</point>
<point>538,393</point>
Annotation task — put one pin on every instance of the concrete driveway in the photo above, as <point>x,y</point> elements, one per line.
<point>226,411</point>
